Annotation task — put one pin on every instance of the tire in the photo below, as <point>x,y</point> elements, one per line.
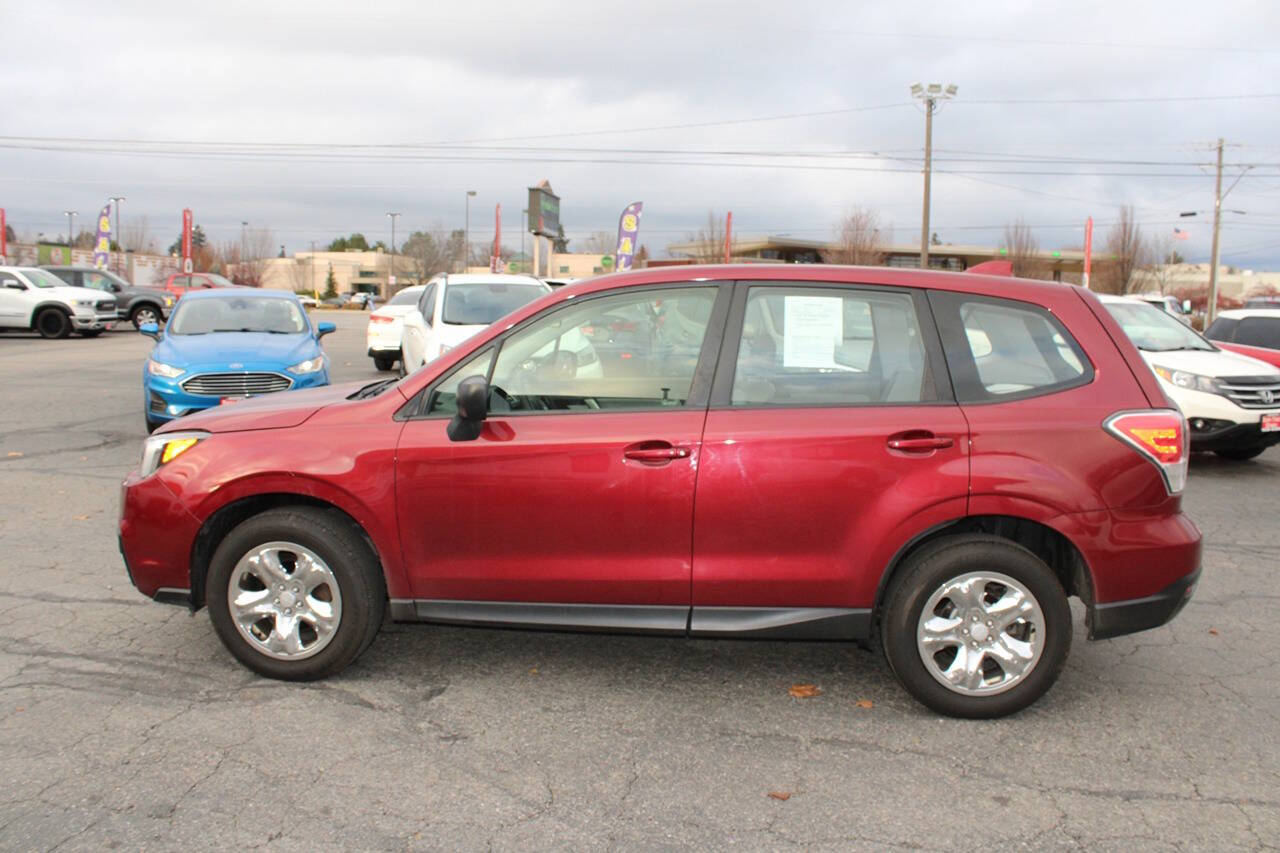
<point>384,362</point>
<point>145,313</point>
<point>52,323</point>
<point>1240,454</point>
<point>296,543</point>
<point>152,426</point>
<point>1035,644</point>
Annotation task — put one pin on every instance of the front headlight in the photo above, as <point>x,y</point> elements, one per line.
<point>1190,381</point>
<point>168,302</point>
<point>159,449</point>
<point>311,365</point>
<point>159,368</point>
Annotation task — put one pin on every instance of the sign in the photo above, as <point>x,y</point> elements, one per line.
<point>628,234</point>
<point>52,255</point>
<point>544,211</point>
<point>495,256</point>
<point>4,243</point>
<point>606,261</point>
<point>1088,251</point>
<point>186,240</point>
<point>102,242</point>
<point>813,328</point>
<point>391,281</point>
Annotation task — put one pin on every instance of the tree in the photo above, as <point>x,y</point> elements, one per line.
<point>560,243</point>
<point>246,259</point>
<point>135,235</point>
<point>1023,251</point>
<point>858,240</point>
<point>9,235</point>
<point>330,285</point>
<point>85,240</point>
<point>708,241</point>
<point>301,275</point>
<point>431,252</point>
<point>600,243</point>
<point>356,242</point>
<point>641,259</point>
<point>198,241</point>
<point>1124,252</point>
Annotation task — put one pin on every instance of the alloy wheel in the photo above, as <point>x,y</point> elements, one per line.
<point>284,599</point>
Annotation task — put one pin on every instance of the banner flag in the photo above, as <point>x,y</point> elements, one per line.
<point>4,228</point>
<point>628,234</point>
<point>102,243</point>
<point>186,240</point>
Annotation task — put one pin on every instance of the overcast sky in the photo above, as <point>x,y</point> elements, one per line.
<point>1051,95</point>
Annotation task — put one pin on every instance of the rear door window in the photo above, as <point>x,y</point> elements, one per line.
<point>1259,332</point>
<point>1005,349</point>
<point>427,304</point>
<point>831,346</point>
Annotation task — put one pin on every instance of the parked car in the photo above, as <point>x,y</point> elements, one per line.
<point>32,298</point>
<point>180,284</point>
<point>1232,402</point>
<point>306,301</point>
<point>1169,305</point>
<point>225,345</point>
<point>452,308</point>
<point>1254,332</point>
<point>138,305</point>
<point>1269,301</point>
<point>386,325</point>
<point>935,460</point>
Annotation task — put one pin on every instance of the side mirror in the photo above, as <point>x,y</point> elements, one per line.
<point>323,329</point>
<point>151,330</point>
<point>472,400</point>
<point>115,288</point>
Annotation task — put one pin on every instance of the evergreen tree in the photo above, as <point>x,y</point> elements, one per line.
<point>330,285</point>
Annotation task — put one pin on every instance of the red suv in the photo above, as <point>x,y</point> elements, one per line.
<point>929,461</point>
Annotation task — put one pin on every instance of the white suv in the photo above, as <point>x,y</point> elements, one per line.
<point>1231,401</point>
<point>452,308</point>
<point>33,298</point>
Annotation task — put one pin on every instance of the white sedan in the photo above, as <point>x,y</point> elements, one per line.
<point>452,308</point>
<point>386,324</point>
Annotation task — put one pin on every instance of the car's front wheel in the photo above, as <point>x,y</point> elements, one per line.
<point>384,362</point>
<point>52,323</point>
<point>295,593</point>
<point>144,314</point>
<point>976,626</point>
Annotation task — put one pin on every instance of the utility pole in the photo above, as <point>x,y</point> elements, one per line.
<point>466,233</point>
<point>1211,309</point>
<point>391,277</point>
<point>116,199</point>
<point>930,95</point>
<point>71,218</point>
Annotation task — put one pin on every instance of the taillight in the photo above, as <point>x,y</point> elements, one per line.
<point>381,318</point>
<point>1161,436</point>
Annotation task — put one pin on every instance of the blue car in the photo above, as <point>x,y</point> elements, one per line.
<point>221,345</point>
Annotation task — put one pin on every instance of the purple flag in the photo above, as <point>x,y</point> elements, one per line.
<point>628,231</point>
<point>102,245</point>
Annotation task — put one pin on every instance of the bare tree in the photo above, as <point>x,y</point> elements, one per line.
<point>858,240</point>
<point>600,243</point>
<point>430,252</point>
<point>1023,251</point>
<point>301,275</point>
<point>708,242</point>
<point>1157,270</point>
<point>1124,252</point>
<point>135,235</point>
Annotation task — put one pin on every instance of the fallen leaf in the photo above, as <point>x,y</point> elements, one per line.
<point>13,454</point>
<point>80,517</point>
<point>864,703</point>
<point>1213,631</point>
<point>804,691</point>
<point>533,671</point>
<point>780,795</point>
<point>84,458</point>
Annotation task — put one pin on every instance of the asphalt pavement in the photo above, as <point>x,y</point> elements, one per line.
<point>124,723</point>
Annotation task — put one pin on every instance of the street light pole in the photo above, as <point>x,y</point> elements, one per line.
<point>466,234</point>
<point>116,199</point>
<point>931,95</point>
<point>1212,308</point>
<point>391,278</point>
<point>71,218</point>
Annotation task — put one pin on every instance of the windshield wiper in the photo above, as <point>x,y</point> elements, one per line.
<point>373,389</point>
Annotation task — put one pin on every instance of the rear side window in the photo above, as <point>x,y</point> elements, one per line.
<point>427,304</point>
<point>1222,329</point>
<point>831,347</point>
<point>999,349</point>
<point>1259,332</point>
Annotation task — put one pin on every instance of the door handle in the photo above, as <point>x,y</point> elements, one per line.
<point>654,452</point>
<point>932,442</point>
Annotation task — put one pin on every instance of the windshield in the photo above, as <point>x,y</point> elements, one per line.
<point>408,296</point>
<point>218,280</point>
<point>43,278</point>
<point>242,314</point>
<point>1153,330</point>
<point>481,303</point>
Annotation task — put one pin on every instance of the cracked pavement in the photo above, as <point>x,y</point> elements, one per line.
<point>124,723</point>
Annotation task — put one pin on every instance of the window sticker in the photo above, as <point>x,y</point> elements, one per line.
<point>812,329</point>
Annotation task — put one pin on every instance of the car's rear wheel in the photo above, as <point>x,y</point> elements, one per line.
<point>52,323</point>
<point>976,626</point>
<point>295,593</point>
<point>384,362</point>
<point>144,314</point>
<point>1240,454</point>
